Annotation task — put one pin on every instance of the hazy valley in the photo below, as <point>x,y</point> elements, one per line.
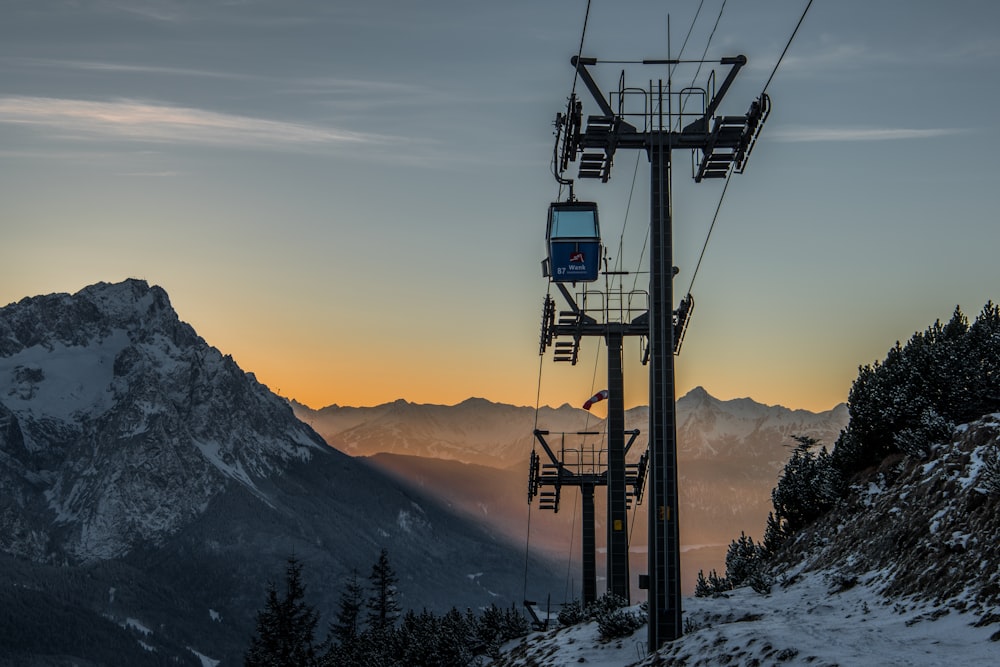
<point>474,457</point>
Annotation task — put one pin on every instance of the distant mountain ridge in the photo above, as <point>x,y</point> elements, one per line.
<point>474,431</point>
<point>149,489</point>
<point>474,456</point>
<point>499,435</point>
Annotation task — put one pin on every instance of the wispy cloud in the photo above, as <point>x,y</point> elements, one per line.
<point>137,120</point>
<point>149,174</point>
<point>831,56</point>
<point>804,134</point>
<point>166,12</point>
<point>348,86</point>
<point>109,67</point>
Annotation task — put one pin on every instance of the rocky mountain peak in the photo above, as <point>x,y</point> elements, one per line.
<point>108,385</point>
<point>91,314</point>
<point>698,394</point>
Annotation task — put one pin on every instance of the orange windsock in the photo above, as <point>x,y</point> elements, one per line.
<point>599,396</point>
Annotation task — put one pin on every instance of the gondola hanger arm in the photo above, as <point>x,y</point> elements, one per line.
<point>581,67</point>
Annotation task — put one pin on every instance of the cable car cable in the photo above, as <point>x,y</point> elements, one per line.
<point>572,95</point>
<point>708,236</point>
<point>688,35</point>
<point>730,173</point>
<point>579,51</point>
<point>708,42</point>
<point>538,399</point>
<point>661,165</point>
<point>538,385</point>
<point>562,182</point>
<point>700,62</point>
<point>628,207</point>
<point>678,60</point>
<point>704,53</point>
<point>781,57</point>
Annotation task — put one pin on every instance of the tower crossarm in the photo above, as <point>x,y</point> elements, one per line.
<point>708,133</point>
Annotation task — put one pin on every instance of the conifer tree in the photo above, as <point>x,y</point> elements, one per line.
<point>717,583</point>
<point>702,589</point>
<point>346,628</point>
<point>946,374</point>
<point>455,640</point>
<point>418,638</point>
<point>743,559</point>
<point>383,606</point>
<point>984,361</point>
<point>810,484</point>
<point>775,534</point>
<point>496,626</point>
<point>285,631</point>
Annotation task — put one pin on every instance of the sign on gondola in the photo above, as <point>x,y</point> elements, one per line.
<point>574,242</point>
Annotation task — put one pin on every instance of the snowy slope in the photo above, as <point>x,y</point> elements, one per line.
<point>905,571</point>
<point>809,623</point>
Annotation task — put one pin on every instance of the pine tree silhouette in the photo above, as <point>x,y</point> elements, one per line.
<point>285,634</point>
<point>383,607</point>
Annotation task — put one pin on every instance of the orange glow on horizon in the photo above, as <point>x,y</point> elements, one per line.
<point>329,364</point>
<point>321,385</point>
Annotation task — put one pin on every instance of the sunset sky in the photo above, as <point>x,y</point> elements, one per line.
<point>349,196</point>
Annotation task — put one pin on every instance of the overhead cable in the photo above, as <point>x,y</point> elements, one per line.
<point>729,175</point>
<point>801,18</point>
<point>579,51</point>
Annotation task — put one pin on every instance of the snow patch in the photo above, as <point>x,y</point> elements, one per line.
<point>137,625</point>
<point>212,452</point>
<point>868,495</point>
<point>71,383</point>
<point>408,521</point>
<point>205,660</point>
<point>959,539</point>
<point>936,519</point>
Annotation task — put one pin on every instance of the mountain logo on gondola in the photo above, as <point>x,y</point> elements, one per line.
<point>576,257</point>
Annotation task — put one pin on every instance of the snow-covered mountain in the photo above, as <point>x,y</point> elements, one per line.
<point>730,454</point>
<point>741,428</point>
<point>146,481</point>
<point>905,571</point>
<point>122,424</point>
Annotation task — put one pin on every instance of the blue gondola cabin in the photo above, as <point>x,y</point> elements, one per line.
<point>574,242</point>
